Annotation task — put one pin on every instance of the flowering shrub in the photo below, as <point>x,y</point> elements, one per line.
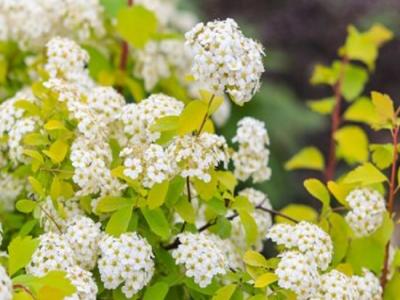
<point>114,183</point>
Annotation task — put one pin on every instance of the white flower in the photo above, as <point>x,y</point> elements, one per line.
<point>83,235</point>
<point>252,157</point>
<point>201,257</point>
<point>337,286</point>
<point>106,103</point>
<point>126,260</point>
<point>368,286</point>
<point>225,60</point>
<point>367,209</point>
<point>308,238</point>
<point>53,253</point>
<point>297,273</point>
<point>86,288</point>
<point>195,156</point>
<point>10,188</point>
<point>6,288</point>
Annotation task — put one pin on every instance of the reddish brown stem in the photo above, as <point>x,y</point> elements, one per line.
<point>24,288</point>
<point>203,122</point>
<point>335,122</point>
<point>124,49</point>
<point>390,202</point>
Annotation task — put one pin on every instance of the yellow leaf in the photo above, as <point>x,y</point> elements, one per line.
<point>299,212</point>
<point>323,106</point>
<point>352,144</point>
<point>225,293</point>
<point>318,190</point>
<point>324,75</point>
<point>54,125</point>
<point>255,259</point>
<point>307,158</point>
<point>346,269</point>
<point>379,34</point>
<point>206,97</point>
<point>57,151</point>
<point>36,186</point>
<point>265,280</point>
<point>365,174</point>
<point>340,191</point>
<point>157,194</point>
<point>362,110</point>
<point>55,188</point>
<point>384,108</point>
<point>192,117</point>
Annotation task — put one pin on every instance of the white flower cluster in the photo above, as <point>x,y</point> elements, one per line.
<point>307,238</point>
<point>233,257</point>
<point>368,286</point>
<point>336,286</point>
<point>201,257</point>
<point>6,288</point>
<point>194,156</point>
<point>225,61</point>
<point>82,280</point>
<point>263,220</point>
<point>31,23</point>
<point>252,157</point>
<point>161,59</point>
<point>367,209</point>
<point>126,260</point>
<point>10,188</point>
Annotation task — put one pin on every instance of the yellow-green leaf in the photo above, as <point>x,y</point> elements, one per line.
<point>36,186</point>
<point>340,191</point>
<point>362,110</point>
<point>54,125</point>
<point>382,155</point>
<point>250,227</point>
<point>119,221</point>
<point>307,158</point>
<point>324,75</point>
<point>57,151</point>
<point>317,189</point>
<point>265,280</point>
<point>323,106</point>
<point>255,259</point>
<point>185,210</point>
<point>352,144</point>
<point>25,205</point>
<point>216,102</point>
<point>192,117</point>
<point>225,293</point>
<point>365,174</point>
<point>157,194</point>
<point>20,251</point>
<point>384,108</point>
<point>299,212</point>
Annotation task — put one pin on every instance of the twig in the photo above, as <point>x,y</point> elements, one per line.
<point>335,121</point>
<point>203,122</point>
<point>189,191</point>
<point>276,213</point>
<point>24,288</point>
<point>124,49</point>
<point>51,218</point>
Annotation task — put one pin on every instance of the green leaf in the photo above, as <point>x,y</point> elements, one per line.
<point>111,7</point>
<point>352,144</point>
<point>222,227</point>
<point>366,253</point>
<point>119,221</point>
<point>324,75</point>
<point>157,291</point>
<point>110,204</point>
<point>25,206</point>
<point>98,62</point>
<point>227,180</point>
<point>54,125</point>
<point>167,123</point>
<point>206,190</point>
<point>35,139</point>
<point>339,233</point>
<point>250,227</point>
<point>255,259</point>
<point>340,191</point>
<point>225,293</point>
<point>354,80</point>
<point>57,151</point>
<point>136,25</point>
<point>265,280</point>
<point>157,222</point>
<point>382,155</point>
<point>318,190</point>
<point>157,194</point>
<point>175,190</point>
<point>28,106</point>
<point>365,174</point>
<point>298,212</point>
<point>192,117</point>
<point>307,158</point>
<point>3,69</point>
<point>20,251</point>
<point>185,210</point>
<point>323,106</point>
<point>36,186</point>
<point>362,110</point>
<point>384,109</point>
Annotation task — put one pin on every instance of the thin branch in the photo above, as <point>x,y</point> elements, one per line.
<point>51,218</point>
<point>335,122</point>
<point>123,61</point>
<point>189,191</point>
<point>276,213</point>
<point>24,288</point>
<point>203,122</point>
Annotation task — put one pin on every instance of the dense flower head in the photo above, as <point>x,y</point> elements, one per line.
<point>83,235</point>
<point>195,156</point>
<point>32,23</point>
<point>307,238</point>
<point>336,286</point>
<point>367,286</point>
<point>6,288</point>
<point>297,273</point>
<point>138,118</point>
<point>83,281</point>
<point>126,260</point>
<point>106,103</point>
<point>225,61</point>
<point>252,157</point>
<point>53,253</point>
<point>200,256</point>
<point>263,219</point>
<point>367,207</point>
<point>232,255</point>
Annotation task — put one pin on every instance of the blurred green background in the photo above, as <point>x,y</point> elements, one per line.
<point>297,34</point>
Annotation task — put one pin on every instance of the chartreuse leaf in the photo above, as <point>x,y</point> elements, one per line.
<point>362,110</point>
<point>21,295</point>
<point>57,151</point>
<point>318,190</point>
<point>3,69</point>
<point>365,174</point>
<point>54,125</point>
<point>382,155</point>
<point>157,221</point>
<point>384,109</point>
<point>323,106</point>
<point>110,204</point>
<point>20,251</point>
<point>119,221</point>
<point>225,293</point>
<point>157,194</point>
<point>250,227</point>
<point>136,25</point>
<point>307,158</point>
<point>265,280</point>
<point>354,80</point>
<point>299,212</point>
<point>157,291</point>
<point>255,259</point>
<point>392,288</point>
<point>111,7</point>
<point>352,144</point>
<point>227,180</point>
<point>346,269</point>
<point>216,102</point>
<point>340,190</point>
<point>324,75</point>
<point>339,232</point>
<point>185,210</point>
<point>25,205</point>
<point>192,117</point>
<point>206,190</point>
<point>175,190</point>
<point>37,159</point>
<point>168,123</point>
<point>28,106</point>
<point>36,186</point>
<point>35,139</point>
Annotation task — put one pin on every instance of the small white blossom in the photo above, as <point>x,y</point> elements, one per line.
<point>368,286</point>
<point>6,288</point>
<point>201,257</point>
<point>126,260</point>
<point>86,288</point>
<point>367,209</point>
<point>225,61</point>
<point>83,235</point>
<point>252,157</point>
<point>337,286</point>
